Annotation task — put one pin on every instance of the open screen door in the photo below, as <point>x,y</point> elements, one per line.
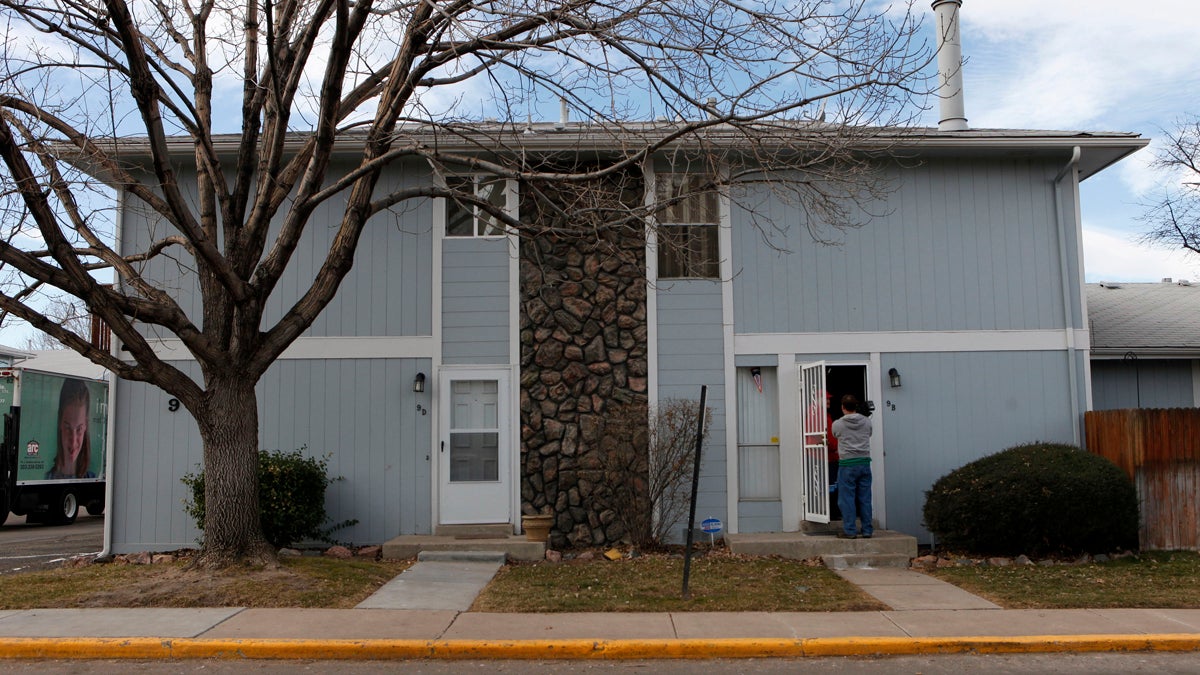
<point>813,422</point>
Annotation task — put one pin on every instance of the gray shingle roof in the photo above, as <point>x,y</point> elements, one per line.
<point>1154,318</point>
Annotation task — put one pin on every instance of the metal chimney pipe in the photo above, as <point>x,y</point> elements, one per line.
<point>564,113</point>
<point>950,80</point>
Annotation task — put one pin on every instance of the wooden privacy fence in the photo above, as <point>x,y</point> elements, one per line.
<point>1160,451</point>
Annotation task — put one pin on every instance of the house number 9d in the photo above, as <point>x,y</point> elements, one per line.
<point>421,410</point>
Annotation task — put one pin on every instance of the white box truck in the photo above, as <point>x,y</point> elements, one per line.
<point>52,459</point>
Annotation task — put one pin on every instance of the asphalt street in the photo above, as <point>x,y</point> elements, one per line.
<point>25,547</point>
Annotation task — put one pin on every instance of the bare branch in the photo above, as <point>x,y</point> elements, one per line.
<point>1174,218</point>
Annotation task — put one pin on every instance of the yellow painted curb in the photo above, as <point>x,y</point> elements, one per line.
<point>203,648</point>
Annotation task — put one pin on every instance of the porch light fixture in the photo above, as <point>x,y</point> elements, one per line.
<point>419,383</point>
<point>894,377</point>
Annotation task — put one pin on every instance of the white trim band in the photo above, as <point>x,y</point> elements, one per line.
<point>906,341</point>
<point>411,347</point>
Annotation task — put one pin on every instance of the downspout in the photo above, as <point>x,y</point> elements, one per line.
<point>110,433</point>
<point>1072,369</point>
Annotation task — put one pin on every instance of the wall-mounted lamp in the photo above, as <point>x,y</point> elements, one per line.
<point>894,377</point>
<point>419,383</point>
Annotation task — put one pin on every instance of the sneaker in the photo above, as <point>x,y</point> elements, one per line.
<point>865,536</point>
<point>843,535</point>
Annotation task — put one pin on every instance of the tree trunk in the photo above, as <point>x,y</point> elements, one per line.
<point>229,431</point>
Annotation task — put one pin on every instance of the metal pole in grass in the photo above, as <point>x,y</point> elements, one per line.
<point>691,528</point>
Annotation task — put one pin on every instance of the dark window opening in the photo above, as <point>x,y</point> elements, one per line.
<point>687,227</point>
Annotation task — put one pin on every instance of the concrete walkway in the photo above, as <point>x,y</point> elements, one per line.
<point>438,580</point>
<point>421,614</point>
<point>904,589</point>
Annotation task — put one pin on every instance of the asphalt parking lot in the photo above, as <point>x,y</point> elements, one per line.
<point>25,547</point>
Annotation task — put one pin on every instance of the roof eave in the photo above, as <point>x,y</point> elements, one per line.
<point>1118,353</point>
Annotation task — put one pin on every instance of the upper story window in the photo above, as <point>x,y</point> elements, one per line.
<point>470,220</point>
<point>687,227</point>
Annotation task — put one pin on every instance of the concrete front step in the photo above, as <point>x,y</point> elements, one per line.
<point>475,531</point>
<point>801,545</point>
<point>864,560</point>
<point>497,557</point>
<point>513,547</point>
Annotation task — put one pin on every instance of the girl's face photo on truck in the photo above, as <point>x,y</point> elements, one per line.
<point>73,446</point>
<point>73,427</point>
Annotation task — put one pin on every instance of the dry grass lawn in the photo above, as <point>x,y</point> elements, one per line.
<point>297,582</point>
<point>1159,579</point>
<point>719,581</point>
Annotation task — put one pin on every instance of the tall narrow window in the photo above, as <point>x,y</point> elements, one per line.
<point>758,433</point>
<point>687,227</point>
<point>464,219</point>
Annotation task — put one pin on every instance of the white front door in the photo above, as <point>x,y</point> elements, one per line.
<point>814,425</point>
<point>474,449</point>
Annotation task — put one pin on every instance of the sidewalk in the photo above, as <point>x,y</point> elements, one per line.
<point>927,616</point>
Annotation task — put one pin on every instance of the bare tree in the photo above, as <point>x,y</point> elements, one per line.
<point>646,460</point>
<point>110,106</point>
<point>70,315</point>
<point>1174,219</point>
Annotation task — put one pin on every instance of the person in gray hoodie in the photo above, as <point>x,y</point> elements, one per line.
<point>853,432</point>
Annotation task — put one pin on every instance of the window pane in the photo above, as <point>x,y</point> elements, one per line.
<point>460,218</point>
<point>758,472</point>
<point>492,192</point>
<point>464,219</point>
<point>688,251</point>
<point>694,206</point>
<point>758,412</point>
<point>474,456</point>
<point>702,251</point>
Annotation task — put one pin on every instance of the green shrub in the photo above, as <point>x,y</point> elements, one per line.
<point>291,497</point>
<point>1035,499</point>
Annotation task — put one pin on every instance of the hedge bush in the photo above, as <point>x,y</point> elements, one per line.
<point>291,497</point>
<point>1036,499</point>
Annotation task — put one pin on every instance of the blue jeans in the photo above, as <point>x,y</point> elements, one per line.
<point>854,497</point>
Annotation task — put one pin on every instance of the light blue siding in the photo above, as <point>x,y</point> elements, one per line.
<point>361,412</point>
<point>691,354</point>
<point>1146,383</point>
<point>475,294</point>
<point>387,292</point>
<point>153,449</point>
<point>959,245</point>
<point>954,408</point>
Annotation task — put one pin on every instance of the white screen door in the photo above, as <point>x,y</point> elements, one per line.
<point>815,460</point>
<point>474,448</point>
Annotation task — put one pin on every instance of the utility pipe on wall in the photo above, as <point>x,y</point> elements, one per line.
<point>1072,369</point>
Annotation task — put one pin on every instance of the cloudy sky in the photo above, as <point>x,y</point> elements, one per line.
<point>1097,65</point>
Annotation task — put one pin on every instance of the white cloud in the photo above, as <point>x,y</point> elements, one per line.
<point>1138,174</point>
<point>1117,256</point>
<point>1077,63</point>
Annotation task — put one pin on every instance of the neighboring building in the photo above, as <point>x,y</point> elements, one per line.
<point>62,362</point>
<point>9,355</point>
<point>1145,344</point>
